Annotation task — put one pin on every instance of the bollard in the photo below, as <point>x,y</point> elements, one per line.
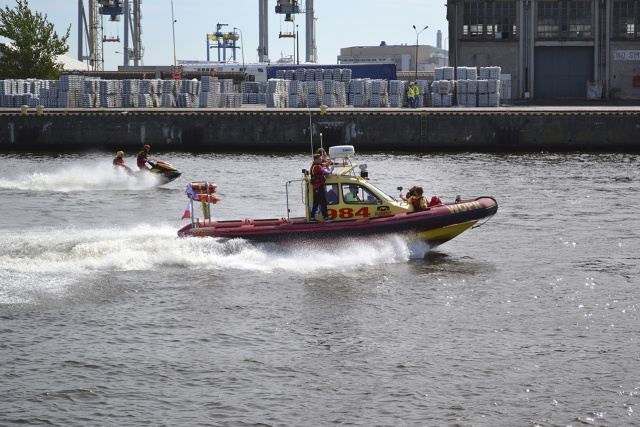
<point>39,109</point>
<point>323,109</point>
<point>24,109</point>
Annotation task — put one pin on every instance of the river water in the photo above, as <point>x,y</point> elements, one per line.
<point>107,318</point>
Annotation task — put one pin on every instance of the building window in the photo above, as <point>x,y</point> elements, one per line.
<point>625,19</point>
<point>565,20</point>
<point>489,20</point>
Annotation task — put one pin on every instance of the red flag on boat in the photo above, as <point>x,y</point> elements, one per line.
<point>187,212</point>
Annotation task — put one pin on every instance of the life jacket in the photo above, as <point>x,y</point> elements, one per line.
<point>118,161</point>
<point>435,201</point>
<point>409,92</point>
<point>317,176</point>
<point>419,203</point>
<point>142,159</point>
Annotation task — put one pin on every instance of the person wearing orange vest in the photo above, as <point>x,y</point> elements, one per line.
<point>416,199</point>
<point>318,177</point>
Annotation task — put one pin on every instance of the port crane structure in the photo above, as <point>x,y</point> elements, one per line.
<point>90,27</point>
<point>288,8</point>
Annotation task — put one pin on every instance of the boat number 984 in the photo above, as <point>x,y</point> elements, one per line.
<point>363,212</point>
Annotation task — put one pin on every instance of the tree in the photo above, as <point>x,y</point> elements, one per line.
<point>34,47</point>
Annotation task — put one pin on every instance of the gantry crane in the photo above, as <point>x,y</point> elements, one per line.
<point>90,25</point>
<point>289,8</point>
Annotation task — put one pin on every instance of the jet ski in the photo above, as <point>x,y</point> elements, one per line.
<point>162,171</point>
<point>165,172</point>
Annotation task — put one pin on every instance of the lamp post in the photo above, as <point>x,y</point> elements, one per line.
<point>417,34</point>
<point>297,44</point>
<point>244,73</point>
<point>173,24</point>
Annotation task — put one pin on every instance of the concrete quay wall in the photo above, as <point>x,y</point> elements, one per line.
<point>503,129</point>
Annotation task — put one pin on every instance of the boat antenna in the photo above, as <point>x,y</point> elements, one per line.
<point>310,131</point>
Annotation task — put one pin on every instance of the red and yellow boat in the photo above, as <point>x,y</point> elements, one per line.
<point>357,208</point>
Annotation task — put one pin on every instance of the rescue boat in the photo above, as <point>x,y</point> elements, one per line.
<point>357,208</point>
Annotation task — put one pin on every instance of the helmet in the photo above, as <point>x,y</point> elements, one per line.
<point>146,147</point>
<point>119,154</point>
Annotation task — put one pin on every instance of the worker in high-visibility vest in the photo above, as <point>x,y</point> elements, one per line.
<point>416,95</point>
<point>410,95</point>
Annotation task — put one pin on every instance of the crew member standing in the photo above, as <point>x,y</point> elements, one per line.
<point>143,158</point>
<point>416,95</point>
<point>318,177</point>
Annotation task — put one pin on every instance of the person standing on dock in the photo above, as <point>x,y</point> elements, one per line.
<point>416,95</point>
<point>318,177</point>
<point>143,158</point>
<point>410,95</point>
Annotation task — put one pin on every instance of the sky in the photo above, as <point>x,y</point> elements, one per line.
<point>339,24</point>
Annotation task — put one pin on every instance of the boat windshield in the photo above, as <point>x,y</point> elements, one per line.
<point>381,193</point>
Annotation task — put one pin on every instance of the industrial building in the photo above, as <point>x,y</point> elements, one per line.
<point>551,49</point>
<point>410,60</point>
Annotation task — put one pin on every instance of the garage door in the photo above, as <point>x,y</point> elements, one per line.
<point>563,72</point>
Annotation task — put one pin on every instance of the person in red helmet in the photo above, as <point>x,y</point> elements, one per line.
<point>143,158</point>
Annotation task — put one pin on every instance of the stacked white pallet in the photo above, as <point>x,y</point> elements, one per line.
<point>91,93</point>
<point>300,74</point>
<point>442,93</point>
<point>490,73</point>
<point>169,92</point>
<point>130,91</point>
<point>71,88</point>
<point>379,93</point>
<point>336,74</point>
<point>397,93</point>
<point>233,100</point>
<point>192,87</point>
<point>142,100</point>
<point>466,73</point>
<point>346,75</point>
<point>359,92</point>
<point>186,100</point>
<point>315,93</point>
<point>489,92</point>
<point>467,93</point>
<point>277,92</point>
<point>297,95</point>
<point>443,73</point>
<point>334,93</point>
<point>110,93</point>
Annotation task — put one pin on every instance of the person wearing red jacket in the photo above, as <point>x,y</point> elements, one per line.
<point>143,158</point>
<point>318,177</point>
<point>119,161</point>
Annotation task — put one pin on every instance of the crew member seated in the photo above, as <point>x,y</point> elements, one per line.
<point>435,201</point>
<point>352,195</point>
<point>416,198</point>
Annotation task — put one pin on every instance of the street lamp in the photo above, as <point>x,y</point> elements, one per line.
<point>173,24</point>
<point>417,34</point>
<point>244,73</point>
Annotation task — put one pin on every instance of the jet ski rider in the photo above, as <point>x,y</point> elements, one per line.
<point>143,158</point>
<point>119,161</point>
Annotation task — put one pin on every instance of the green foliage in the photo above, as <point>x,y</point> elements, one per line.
<point>34,44</point>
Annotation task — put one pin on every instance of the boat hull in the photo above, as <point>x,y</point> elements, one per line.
<point>434,226</point>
